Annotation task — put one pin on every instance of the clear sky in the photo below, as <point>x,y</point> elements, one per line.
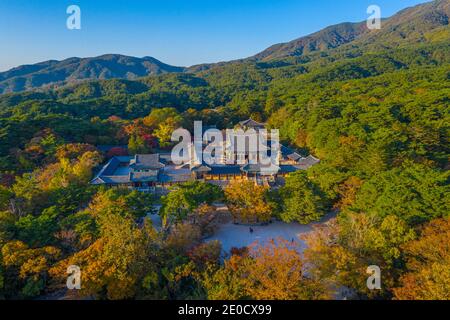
<point>178,32</point>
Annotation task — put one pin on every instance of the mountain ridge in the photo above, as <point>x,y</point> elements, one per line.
<point>54,73</point>
<point>412,24</point>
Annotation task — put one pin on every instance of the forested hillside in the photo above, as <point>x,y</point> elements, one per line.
<point>374,107</point>
<point>51,74</point>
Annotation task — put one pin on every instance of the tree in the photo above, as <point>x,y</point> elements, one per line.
<point>414,192</point>
<point>302,200</point>
<point>428,264</point>
<point>82,168</point>
<point>29,197</point>
<point>73,150</point>
<point>158,116</point>
<point>136,145</point>
<point>26,270</point>
<point>274,271</point>
<point>185,198</point>
<point>116,151</point>
<point>183,237</point>
<point>206,254</point>
<point>123,202</point>
<point>206,217</point>
<point>38,230</point>
<point>5,197</point>
<point>7,221</point>
<point>248,201</point>
<point>165,130</point>
<point>348,191</point>
<point>115,265</point>
<point>50,144</point>
<point>340,251</point>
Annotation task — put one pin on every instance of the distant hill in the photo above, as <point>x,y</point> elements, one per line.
<point>72,70</point>
<point>425,23</point>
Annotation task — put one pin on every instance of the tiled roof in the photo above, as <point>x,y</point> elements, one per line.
<point>202,168</point>
<point>121,169</point>
<point>108,175</point>
<point>113,179</point>
<point>112,165</point>
<point>146,161</point>
<point>173,175</point>
<point>257,168</point>
<point>288,168</point>
<point>250,123</point>
<point>144,176</point>
<point>308,162</point>
<point>294,156</point>
<point>225,169</point>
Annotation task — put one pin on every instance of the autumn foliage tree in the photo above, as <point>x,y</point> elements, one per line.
<point>428,264</point>
<point>271,271</point>
<point>163,122</point>
<point>348,191</point>
<point>73,150</point>
<point>186,198</point>
<point>113,265</point>
<point>248,202</point>
<point>26,270</point>
<point>116,151</point>
<point>341,250</point>
<point>207,218</point>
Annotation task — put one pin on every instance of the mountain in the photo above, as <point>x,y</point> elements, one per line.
<point>415,24</point>
<point>58,73</point>
<point>421,24</point>
<point>328,38</point>
<point>424,23</point>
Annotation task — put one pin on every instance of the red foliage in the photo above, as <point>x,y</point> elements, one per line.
<point>116,151</point>
<point>114,118</point>
<point>150,140</point>
<point>242,252</point>
<point>7,179</point>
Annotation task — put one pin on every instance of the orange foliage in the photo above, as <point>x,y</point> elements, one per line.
<point>246,201</point>
<point>347,191</point>
<point>428,262</point>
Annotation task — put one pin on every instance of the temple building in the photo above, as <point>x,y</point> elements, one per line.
<point>152,172</point>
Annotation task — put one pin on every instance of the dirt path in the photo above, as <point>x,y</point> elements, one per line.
<point>231,235</point>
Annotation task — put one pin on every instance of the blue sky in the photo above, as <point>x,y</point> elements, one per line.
<point>178,32</point>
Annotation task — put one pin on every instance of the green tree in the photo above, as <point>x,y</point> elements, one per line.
<point>302,200</point>
<point>38,231</point>
<point>185,198</point>
<point>136,145</point>
<point>414,192</point>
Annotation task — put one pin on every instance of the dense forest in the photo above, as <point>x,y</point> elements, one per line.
<point>374,110</point>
